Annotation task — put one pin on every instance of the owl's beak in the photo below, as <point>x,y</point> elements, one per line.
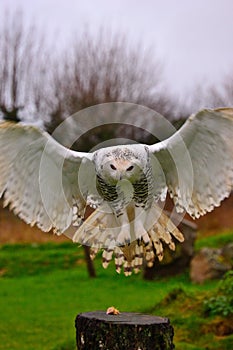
<point>122,175</point>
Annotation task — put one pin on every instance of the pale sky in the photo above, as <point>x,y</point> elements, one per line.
<point>193,39</point>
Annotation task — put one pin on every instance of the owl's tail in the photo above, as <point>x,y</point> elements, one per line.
<point>100,231</point>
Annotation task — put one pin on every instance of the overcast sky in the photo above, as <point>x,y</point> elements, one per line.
<point>193,39</point>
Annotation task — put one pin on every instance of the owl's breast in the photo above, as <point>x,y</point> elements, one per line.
<point>143,189</point>
<point>122,194</point>
<point>107,192</point>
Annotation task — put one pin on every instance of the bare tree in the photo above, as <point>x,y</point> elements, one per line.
<point>209,96</point>
<point>223,95</point>
<point>20,50</point>
<point>105,67</point>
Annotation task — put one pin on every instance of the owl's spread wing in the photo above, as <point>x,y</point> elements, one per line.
<point>197,162</point>
<point>39,177</point>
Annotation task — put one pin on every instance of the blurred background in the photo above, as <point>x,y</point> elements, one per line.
<point>59,57</point>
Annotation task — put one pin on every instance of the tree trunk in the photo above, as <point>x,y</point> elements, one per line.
<point>128,331</point>
<point>89,262</point>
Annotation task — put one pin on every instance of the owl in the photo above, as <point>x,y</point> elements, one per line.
<point>51,186</point>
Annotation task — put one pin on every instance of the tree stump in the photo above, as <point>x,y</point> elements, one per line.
<point>126,331</point>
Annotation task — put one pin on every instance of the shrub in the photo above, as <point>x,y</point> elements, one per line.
<point>222,304</point>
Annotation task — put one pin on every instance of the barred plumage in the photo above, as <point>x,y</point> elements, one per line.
<point>143,189</point>
<point>108,192</point>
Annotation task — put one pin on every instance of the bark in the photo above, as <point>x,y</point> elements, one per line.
<point>128,331</point>
<point>89,262</point>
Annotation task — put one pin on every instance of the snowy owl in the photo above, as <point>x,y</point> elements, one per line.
<point>49,185</point>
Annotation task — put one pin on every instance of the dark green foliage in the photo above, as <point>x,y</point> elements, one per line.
<point>222,303</point>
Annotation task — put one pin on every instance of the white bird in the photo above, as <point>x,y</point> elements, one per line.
<point>49,185</point>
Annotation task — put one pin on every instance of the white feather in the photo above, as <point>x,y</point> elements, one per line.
<point>198,161</point>
<point>39,176</point>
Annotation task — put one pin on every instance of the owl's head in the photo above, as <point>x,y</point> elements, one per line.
<point>118,163</point>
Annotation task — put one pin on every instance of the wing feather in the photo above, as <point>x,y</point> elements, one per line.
<point>197,161</point>
<point>39,177</point>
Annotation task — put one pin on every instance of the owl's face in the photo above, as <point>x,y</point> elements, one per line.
<point>119,164</point>
<point>115,170</point>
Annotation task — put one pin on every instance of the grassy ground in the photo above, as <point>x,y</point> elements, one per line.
<point>44,286</point>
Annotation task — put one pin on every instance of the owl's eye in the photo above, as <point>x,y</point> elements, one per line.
<point>130,168</point>
<point>113,167</point>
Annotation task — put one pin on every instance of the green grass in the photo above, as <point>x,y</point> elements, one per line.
<point>216,241</point>
<point>43,288</point>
